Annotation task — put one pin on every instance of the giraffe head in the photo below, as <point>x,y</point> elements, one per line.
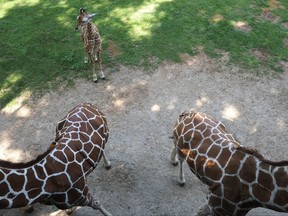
<point>83,18</point>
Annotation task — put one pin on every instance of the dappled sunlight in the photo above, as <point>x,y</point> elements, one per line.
<point>217,18</point>
<point>155,108</point>
<point>119,103</point>
<point>201,101</point>
<point>16,105</point>
<point>11,80</point>
<point>230,112</point>
<point>12,155</point>
<point>140,20</point>
<point>241,26</point>
<point>281,124</point>
<point>172,104</point>
<point>253,129</point>
<point>8,5</point>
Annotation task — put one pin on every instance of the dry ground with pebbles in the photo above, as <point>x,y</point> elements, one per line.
<point>142,108</point>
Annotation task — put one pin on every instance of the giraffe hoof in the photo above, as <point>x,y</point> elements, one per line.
<point>103,78</point>
<point>95,81</point>
<point>175,163</point>
<point>108,167</point>
<point>182,184</point>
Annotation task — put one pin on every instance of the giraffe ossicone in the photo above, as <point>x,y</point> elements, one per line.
<point>92,42</point>
<point>59,176</point>
<point>239,178</point>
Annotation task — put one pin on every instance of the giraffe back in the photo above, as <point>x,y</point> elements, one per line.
<point>239,178</point>
<point>59,176</point>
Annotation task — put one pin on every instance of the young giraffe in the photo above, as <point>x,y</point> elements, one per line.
<point>59,176</point>
<point>92,41</point>
<point>239,178</point>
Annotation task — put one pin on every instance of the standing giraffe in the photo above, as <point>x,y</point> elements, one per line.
<point>239,178</point>
<point>59,176</point>
<point>92,41</point>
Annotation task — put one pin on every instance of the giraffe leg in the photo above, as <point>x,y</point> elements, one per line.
<point>102,76</point>
<point>86,59</point>
<point>95,80</point>
<point>181,179</point>
<point>106,161</point>
<point>174,158</point>
<point>95,204</point>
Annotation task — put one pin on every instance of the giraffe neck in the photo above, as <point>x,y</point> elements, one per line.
<point>22,186</point>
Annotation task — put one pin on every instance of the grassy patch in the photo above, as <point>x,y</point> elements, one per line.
<point>39,49</point>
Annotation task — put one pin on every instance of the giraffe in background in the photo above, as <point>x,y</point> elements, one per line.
<point>59,176</point>
<point>92,41</point>
<point>239,178</point>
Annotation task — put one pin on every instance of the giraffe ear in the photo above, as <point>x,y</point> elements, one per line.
<point>90,16</point>
<point>82,10</point>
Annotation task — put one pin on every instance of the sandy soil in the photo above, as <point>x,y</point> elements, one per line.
<point>142,108</point>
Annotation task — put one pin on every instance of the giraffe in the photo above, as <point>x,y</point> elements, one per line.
<point>59,176</point>
<point>239,178</point>
<point>92,41</point>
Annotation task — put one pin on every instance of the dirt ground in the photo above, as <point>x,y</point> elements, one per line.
<point>142,108</point>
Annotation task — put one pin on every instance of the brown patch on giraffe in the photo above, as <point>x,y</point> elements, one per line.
<point>33,193</point>
<point>215,200</point>
<point>207,132</point>
<point>73,168</point>
<point>248,170</point>
<point>212,170</point>
<point>1,175</point>
<point>60,155</point>
<point>56,167</point>
<point>281,177</point>
<point>192,156</point>
<point>265,166</point>
<point>35,183</point>
<point>261,193</point>
<point>214,151</point>
<point>200,160</point>
<point>60,181</point>
<point>281,197</point>
<point>234,163</point>
<point>17,186</point>
<point>79,183</point>
<point>4,188</point>
<point>113,49</point>
<point>232,187</point>
<point>224,156</point>
<point>227,207</point>
<point>20,200</point>
<point>196,140</point>
<point>73,195</point>
<point>4,203</point>
<point>266,180</point>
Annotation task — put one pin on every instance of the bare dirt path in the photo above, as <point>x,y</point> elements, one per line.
<point>142,108</point>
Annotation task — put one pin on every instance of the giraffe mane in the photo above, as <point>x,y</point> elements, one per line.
<point>21,165</point>
<point>256,154</point>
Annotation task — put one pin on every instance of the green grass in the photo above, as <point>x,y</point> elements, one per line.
<point>40,51</point>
